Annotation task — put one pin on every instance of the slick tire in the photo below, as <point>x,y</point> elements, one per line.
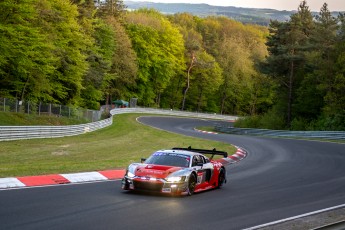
<point>191,184</point>
<point>221,178</point>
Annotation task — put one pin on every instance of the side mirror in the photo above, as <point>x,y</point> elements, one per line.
<point>142,160</point>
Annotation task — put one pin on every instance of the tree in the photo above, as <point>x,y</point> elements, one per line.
<point>207,77</point>
<point>287,45</point>
<point>325,39</point>
<point>194,49</point>
<point>193,41</point>
<point>123,68</point>
<point>159,47</point>
<point>113,8</point>
<point>25,56</point>
<point>100,57</point>
<point>210,28</point>
<point>59,22</point>
<point>237,48</point>
<point>234,59</point>
<point>333,111</point>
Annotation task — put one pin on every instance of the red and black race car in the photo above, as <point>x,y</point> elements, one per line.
<point>177,171</point>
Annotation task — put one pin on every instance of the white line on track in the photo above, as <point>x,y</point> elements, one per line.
<point>55,185</point>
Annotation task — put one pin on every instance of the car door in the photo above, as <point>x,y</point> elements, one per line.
<point>208,167</point>
<point>204,169</point>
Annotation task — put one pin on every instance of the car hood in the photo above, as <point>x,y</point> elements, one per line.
<point>156,171</point>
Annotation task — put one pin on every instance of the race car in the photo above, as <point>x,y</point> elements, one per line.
<point>176,171</point>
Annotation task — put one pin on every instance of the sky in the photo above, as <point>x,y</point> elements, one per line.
<point>314,5</point>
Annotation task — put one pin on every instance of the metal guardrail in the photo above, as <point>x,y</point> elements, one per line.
<point>29,132</point>
<point>326,135</point>
<point>173,113</point>
<point>8,133</point>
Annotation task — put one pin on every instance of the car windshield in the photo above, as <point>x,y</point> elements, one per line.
<point>169,159</point>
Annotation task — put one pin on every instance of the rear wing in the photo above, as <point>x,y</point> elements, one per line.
<point>204,151</point>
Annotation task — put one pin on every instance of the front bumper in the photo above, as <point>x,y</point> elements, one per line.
<point>154,185</point>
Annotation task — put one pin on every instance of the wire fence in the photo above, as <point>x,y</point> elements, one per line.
<point>48,109</point>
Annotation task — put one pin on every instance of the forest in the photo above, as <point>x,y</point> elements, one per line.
<point>86,53</point>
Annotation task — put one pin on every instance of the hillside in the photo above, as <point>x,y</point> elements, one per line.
<point>245,15</point>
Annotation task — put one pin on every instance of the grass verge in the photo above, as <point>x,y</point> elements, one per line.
<point>114,147</point>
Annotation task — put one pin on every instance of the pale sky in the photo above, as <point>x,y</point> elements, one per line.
<point>314,5</point>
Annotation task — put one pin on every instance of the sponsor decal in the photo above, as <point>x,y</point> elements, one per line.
<point>171,154</point>
<point>167,190</point>
<point>200,177</point>
<point>154,172</point>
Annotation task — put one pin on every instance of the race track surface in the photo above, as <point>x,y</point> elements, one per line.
<point>279,178</point>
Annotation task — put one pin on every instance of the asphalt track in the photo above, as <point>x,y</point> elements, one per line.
<point>279,178</point>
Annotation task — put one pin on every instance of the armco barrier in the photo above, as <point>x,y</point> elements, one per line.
<point>326,135</point>
<point>30,132</point>
<point>173,113</point>
<point>8,133</point>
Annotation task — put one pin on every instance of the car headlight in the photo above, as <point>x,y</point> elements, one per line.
<point>175,178</point>
<point>130,175</point>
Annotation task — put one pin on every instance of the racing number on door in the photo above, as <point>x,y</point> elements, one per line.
<point>200,177</point>
<point>198,164</point>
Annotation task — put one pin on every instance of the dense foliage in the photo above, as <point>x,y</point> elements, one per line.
<point>86,54</point>
<point>306,60</point>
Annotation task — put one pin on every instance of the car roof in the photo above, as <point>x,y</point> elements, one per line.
<point>185,152</point>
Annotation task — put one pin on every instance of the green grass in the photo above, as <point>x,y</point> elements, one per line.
<point>114,147</point>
